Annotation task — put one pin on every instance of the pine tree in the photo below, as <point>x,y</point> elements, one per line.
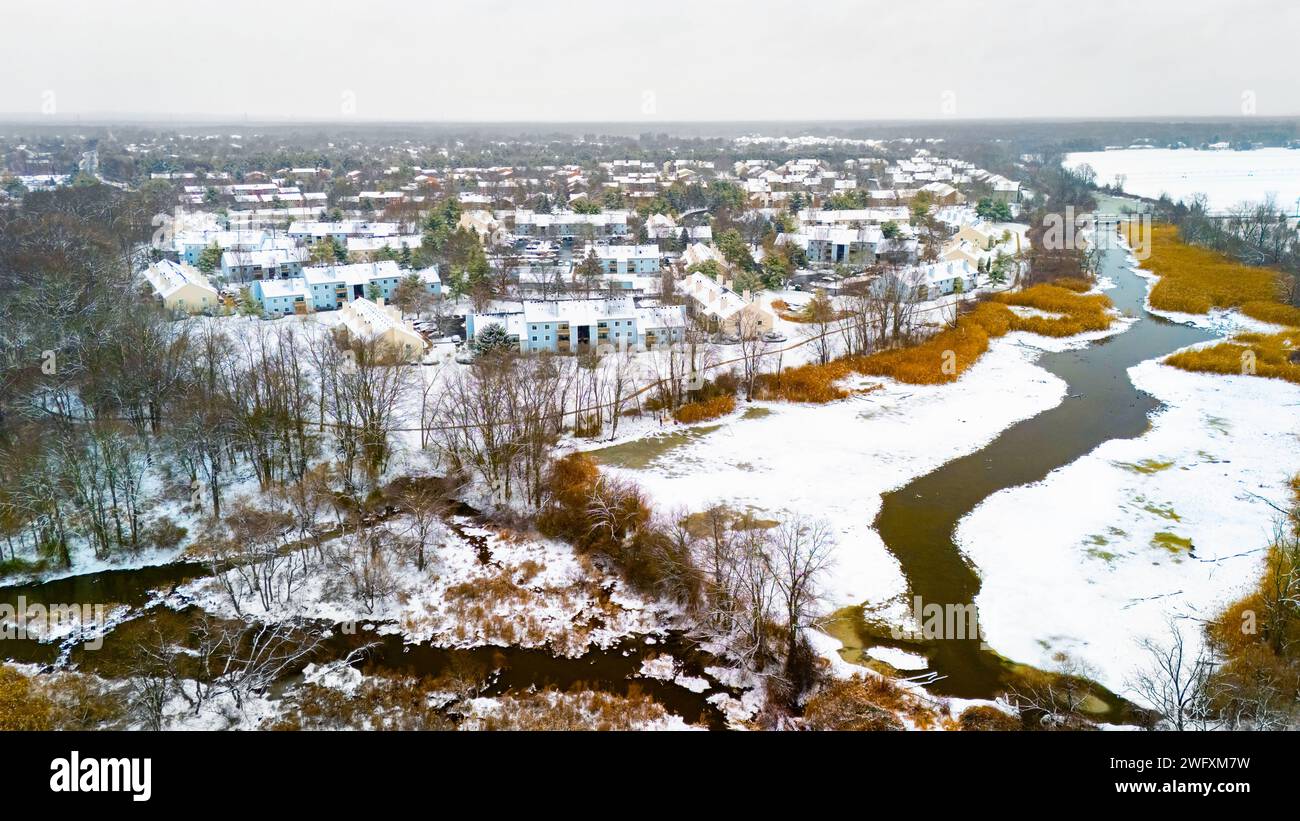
<point>492,340</point>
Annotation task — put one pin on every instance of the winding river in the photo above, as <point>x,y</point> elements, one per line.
<point>917,521</point>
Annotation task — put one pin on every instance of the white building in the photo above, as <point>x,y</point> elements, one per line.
<point>383,324</point>
<point>181,287</point>
<point>575,325</point>
<point>721,309</point>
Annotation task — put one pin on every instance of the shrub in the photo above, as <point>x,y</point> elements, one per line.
<point>18,566</point>
<point>693,412</point>
<point>22,705</point>
<point>982,718</point>
<point>602,515</point>
<point>817,310</point>
<point>853,704</point>
<point>165,534</point>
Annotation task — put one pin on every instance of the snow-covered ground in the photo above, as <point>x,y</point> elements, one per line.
<point>1076,562</point>
<point>1226,178</point>
<point>530,593</point>
<point>1226,321</point>
<point>834,461</point>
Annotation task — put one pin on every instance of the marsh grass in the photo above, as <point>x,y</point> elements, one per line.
<point>945,356</point>
<point>1194,280</point>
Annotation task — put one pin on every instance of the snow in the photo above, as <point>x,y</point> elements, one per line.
<point>659,667</point>
<point>1079,571</point>
<point>336,675</point>
<point>898,659</point>
<point>531,593</point>
<point>1227,178</point>
<point>796,457</point>
<point>1225,321</point>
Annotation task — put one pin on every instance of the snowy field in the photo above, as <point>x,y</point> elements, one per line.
<point>1167,527</point>
<point>1171,524</point>
<point>834,461</point>
<point>1227,178</point>
<point>525,592</point>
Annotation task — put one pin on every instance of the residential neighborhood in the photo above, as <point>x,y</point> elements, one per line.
<point>922,369</point>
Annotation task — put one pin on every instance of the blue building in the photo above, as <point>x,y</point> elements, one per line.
<point>329,287</point>
<point>570,326</point>
<point>626,259</point>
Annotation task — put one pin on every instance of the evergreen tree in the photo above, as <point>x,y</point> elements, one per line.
<point>493,340</point>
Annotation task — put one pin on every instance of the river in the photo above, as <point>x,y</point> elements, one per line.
<point>917,521</point>
<point>613,669</point>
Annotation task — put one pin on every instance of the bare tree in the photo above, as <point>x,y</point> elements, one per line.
<point>800,557</point>
<point>820,321</point>
<point>621,381</point>
<point>892,305</point>
<point>365,395</point>
<point>250,557</point>
<point>1174,682</point>
<point>1056,697</point>
<point>240,659</point>
<point>425,506</point>
<point>754,350</point>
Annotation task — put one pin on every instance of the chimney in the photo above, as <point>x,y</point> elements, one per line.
<point>745,295</point>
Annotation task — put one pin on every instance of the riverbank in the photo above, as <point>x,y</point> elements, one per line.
<point>1170,525</point>
<point>1173,524</point>
<point>834,461</point>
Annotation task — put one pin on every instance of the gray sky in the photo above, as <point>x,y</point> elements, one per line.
<point>648,59</point>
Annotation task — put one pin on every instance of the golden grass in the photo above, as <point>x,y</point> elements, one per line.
<point>693,412</point>
<point>806,383</point>
<point>1077,284</point>
<point>1266,355</point>
<point>943,357</point>
<point>1193,280</point>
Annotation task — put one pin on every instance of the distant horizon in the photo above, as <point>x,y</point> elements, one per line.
<point>154,118</point>
<point>508,61</point>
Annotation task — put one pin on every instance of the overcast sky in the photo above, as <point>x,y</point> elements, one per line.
<point>648,59</point>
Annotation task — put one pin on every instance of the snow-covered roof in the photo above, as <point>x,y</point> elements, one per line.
<point>617,252</point>
<point>353,274</point>
<point>168,277</point>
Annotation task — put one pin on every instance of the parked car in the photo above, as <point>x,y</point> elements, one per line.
<point>773,336</point>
